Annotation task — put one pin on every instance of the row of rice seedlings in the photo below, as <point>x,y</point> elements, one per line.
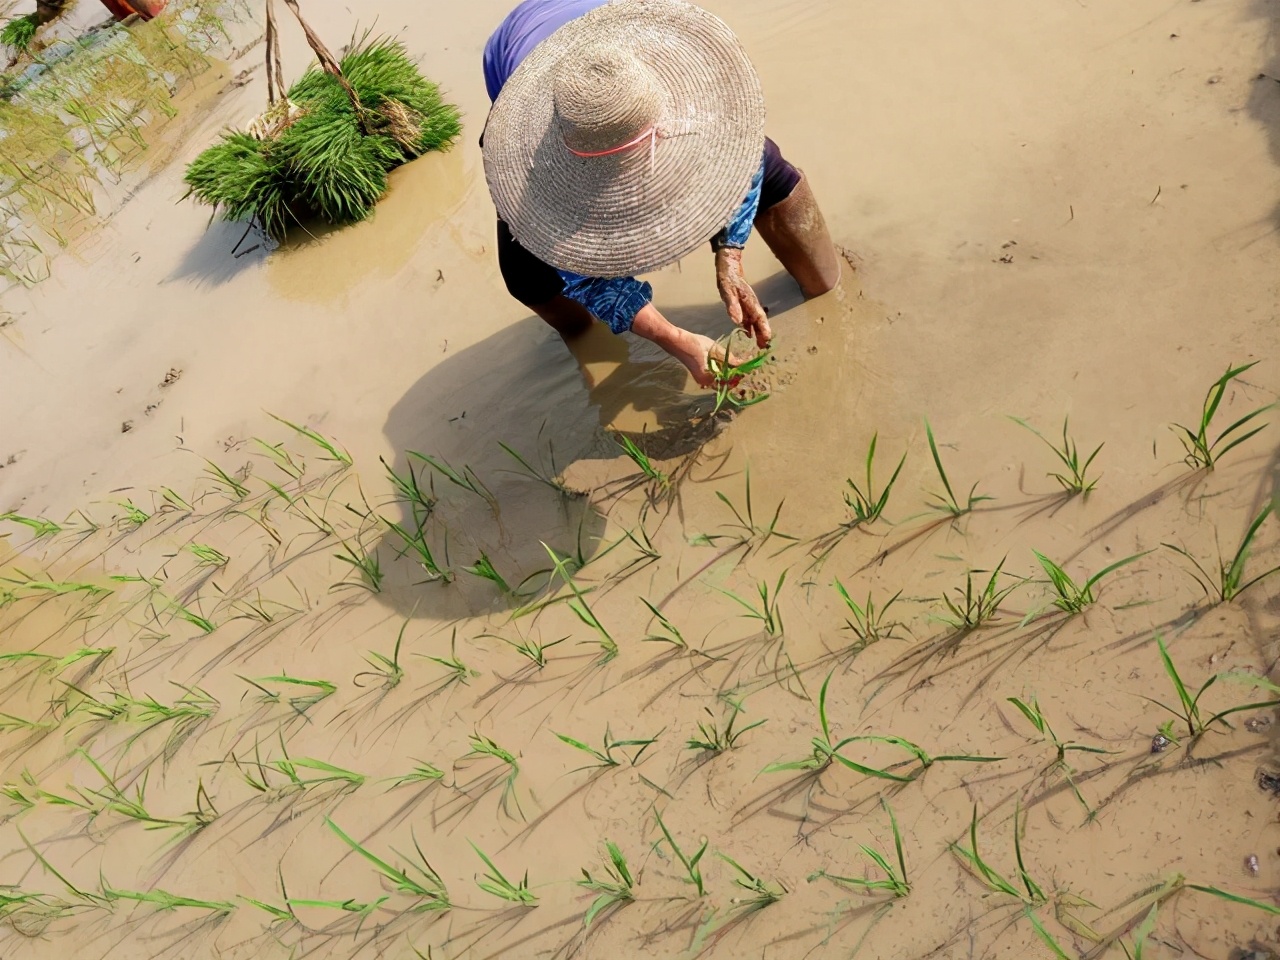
<point>1229,580</point>
<point>896,882</point>
<point>767,612</point>
<point>603,757</point>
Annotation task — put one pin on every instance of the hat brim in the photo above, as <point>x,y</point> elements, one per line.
<point>639,210</point>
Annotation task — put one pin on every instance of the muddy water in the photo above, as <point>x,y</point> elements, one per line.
<point>1064,211</point>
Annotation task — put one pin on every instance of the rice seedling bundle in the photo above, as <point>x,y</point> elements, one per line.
<point>313,155</point>
<point>19,32</point>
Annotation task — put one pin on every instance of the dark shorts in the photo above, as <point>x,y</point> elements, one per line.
<point>533,282</point>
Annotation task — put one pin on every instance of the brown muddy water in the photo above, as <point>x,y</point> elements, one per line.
<point>1062,210</point>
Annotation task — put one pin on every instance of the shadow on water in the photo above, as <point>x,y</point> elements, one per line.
<point>1264,97</point>
<point>523,388</point>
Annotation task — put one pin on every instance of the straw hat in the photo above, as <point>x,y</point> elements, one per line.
<point>626,139</point>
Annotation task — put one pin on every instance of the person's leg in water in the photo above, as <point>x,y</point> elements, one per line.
<point>539,287</point>
<point>790,222</point>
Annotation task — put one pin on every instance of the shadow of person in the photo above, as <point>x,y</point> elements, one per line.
<point>1264,94</point>
<point>552,406</point>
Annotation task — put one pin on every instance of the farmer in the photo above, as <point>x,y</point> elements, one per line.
<point>624,135</point>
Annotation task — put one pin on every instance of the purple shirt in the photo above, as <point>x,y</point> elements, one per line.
<point>525,27</point>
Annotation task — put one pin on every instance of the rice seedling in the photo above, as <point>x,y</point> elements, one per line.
<point>728,375</point>
<point>362,910</point>
<point>826,749</point>
<point>292,767</point>
<point>300,506</point>
<point>690,862</point>
<point>33,586</point>
<point>1188,707</point>
<point>208,556</point>
<point>314,690</point>
<point>670,633</point>
<point>745,519</point>
<point>548,478</point>
<point>949,504</point>
<point>416,543</point>
<point>205,812</point>
<point>407,489</point>
<point>866,505</point>
<point>613,888</point>
<point>761,893</point>
<point>895,883</point>
<point>641,460</point>
<point>768,613</point>
<point>111,798</point>
<point>163,900</point>
<point>499,886</point>
<point>333,452</point>
<point>459,672</point>
<point>481,747</point>
<point>365,562</point>
<point>281,457</point>
<point>423,773</point>
<point>175,501</point>
<point>1203,453</point>
<point>1076,480</point>
<point>19,32</point>
<point>465,480</point>
<point>1230,582</point>
<point>1071,597</point>
<point>330,144</point>
<point>53,664</point>
<point>604,755</point>
<point>134,516</point>
<point>1035,716</point>
<point>867,621</point>
<point>608,646</point>
<point>426,885</point>
<point>1031,894</point>
<point>40,527</point>
<point>10,723</point>
<point>485,570</point>
<point>223,479</point>
<point>974,608</point>
<point>183,612</point>
<point>531,648</point>
<point>386,670</point>
<point>717,737</point>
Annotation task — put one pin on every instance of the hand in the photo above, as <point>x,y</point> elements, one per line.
<point>739,299</point>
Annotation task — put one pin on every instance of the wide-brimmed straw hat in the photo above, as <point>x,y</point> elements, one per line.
<point>626,139</point>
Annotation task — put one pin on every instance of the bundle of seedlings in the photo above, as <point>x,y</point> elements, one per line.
<point>323,149</point>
